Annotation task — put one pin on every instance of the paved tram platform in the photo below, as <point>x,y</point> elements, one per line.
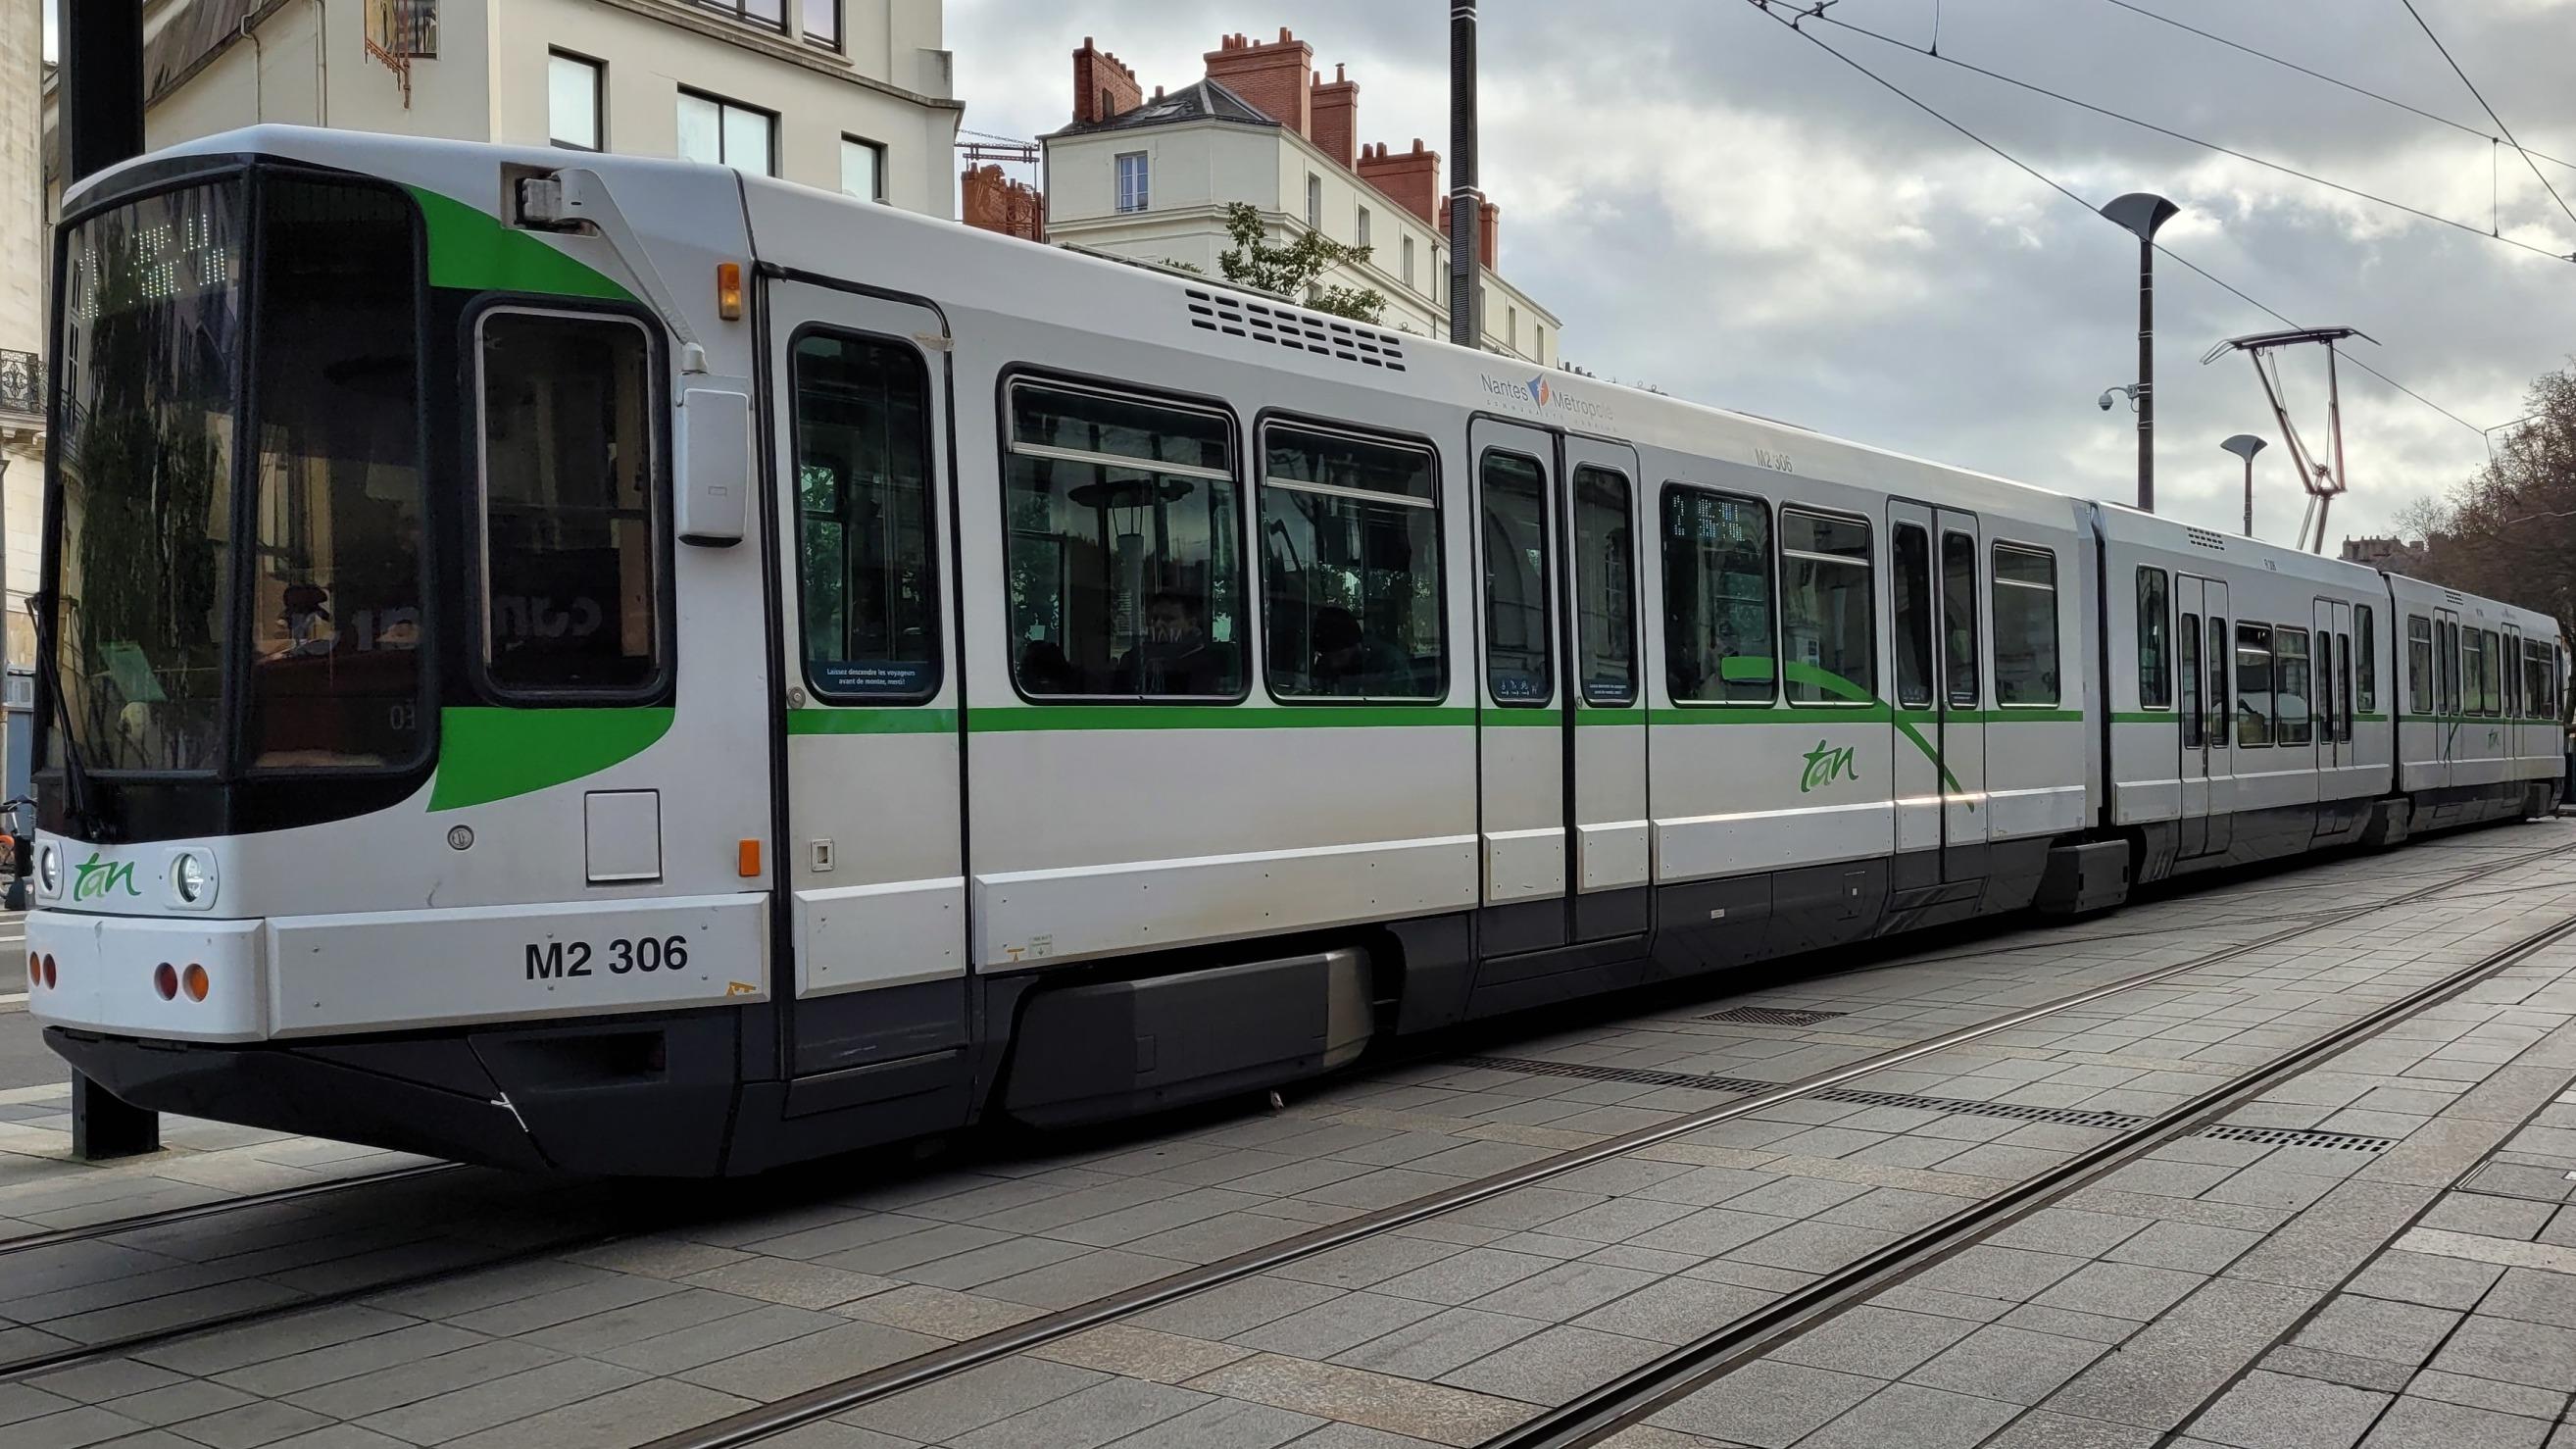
<point>2282,1159</point>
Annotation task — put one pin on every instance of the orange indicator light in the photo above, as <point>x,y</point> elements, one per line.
<point>729,291</point>
<point>747,859</point>
<point>194,979</point>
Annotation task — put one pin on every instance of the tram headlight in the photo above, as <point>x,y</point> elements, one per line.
<point>49,869</point>
<point>192,879</point>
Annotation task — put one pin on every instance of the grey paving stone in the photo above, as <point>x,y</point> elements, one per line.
<point>2000,1362</point>
<point>1698,1186</point>
<point>2009,1274</point>
<point>1555,1365</point>
<point>1459,1277</point>
<point>2377,1374</point>
<point>1813,1247</point>
<point>1893,1207</point>
<point>2069,1323</point>
<point>2120,1290</point>
<point>1881,1343</point>
<point>1564,1292</point>
<point>252,1425</point>
<point>2426,1424</point>
<point>1336,1326</point>
<point>1677,1310</point>
<point>613,1420</point>
<point>1242,1306</point>
<point>2401,1333</point>
<point>2192,1247</point>
<point>940,1411</point>
<point>2071,1231</point>
<point>1446,1341</point>
<point>2276,1411</point>
<point>2523,1399</point>
<point>114,1378</point>
<point>1092,1416</point>
<point>1356,1436</point>
<point>723,1338</point>
<point>1915,1416</point>
<point>499,1400</point>
<point>408,1383</point>
<point>1617,1220</point>
<point>1227,1424</point>
<point>191,1399</point>
<point>1709,1231</point>
<point>2514,1351</point>
<point>2044,1430</point>
<point>2532,1296</point>
<point>73,1428</point>
<point>802,1363</point>
<point>2492,1217</point>
<point>2164,1373</point>
<point>1767,1405</point>
<point>2425,1278</point>
<point>1077,1280</point>
<point>1796,1197</point>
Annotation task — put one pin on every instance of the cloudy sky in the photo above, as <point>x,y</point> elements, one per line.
<point>1717,206</point>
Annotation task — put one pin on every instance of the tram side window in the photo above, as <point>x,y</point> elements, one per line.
<point>1351,543</point>
<point>871,586</point>
<point>1959,617</point>
<point>2365,630</point>
<point>1826,610</point>
<point>2535,681</point>
<point>2343,687</point>
<point>2324,701</point>
<point>1518,661</point>
<point>2187,672</point>
<point>2253,686</point>
<point>1717,598</point>
<point>2419,664</point>
<point>2509,677</point>
<point>2025,626</point>
<point>2291,686</point>
<point>1121,551</point>
<point>2473,678</point>
<point>1605,589</point>
<point>2155,661</point>
<point>2217,657</point>
<point>2490,674</point>
<point>572,558</point>
<point>1913,617</point>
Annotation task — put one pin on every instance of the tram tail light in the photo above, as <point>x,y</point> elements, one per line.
<point>194,982</point>
<point>165,981</point>
<point>50,977</point>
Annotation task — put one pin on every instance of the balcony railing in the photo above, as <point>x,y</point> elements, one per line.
<point>22,384</point>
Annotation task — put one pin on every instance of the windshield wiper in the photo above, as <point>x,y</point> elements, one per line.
<point>80,808</point>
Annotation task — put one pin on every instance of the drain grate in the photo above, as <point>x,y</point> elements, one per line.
<point>2301,1137</point>
<point>1772,1016</point>
<point>1969,1107</point>
<point>1620,1074</point>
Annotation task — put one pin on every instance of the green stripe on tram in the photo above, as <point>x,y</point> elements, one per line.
<point>493,754</point>
<point>471,250</point>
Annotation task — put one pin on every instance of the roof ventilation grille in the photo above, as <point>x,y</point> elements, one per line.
<point>2206,539</point>
<point>1295,330</point>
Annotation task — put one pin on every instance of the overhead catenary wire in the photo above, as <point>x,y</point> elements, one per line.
<point>2053,184</point>
<point>2427,28</point>
<point>2083,105</point>
<point>2337,81</point>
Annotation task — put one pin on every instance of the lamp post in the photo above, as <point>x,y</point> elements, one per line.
<point>2245,446</point>
<point>1465,277</point>
<point>2140,213</point>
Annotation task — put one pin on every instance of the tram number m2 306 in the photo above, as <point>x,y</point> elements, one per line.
<point>560,960</point>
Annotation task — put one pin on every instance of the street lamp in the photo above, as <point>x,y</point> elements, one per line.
<point>2140,213</point>
<point>2245,446</point>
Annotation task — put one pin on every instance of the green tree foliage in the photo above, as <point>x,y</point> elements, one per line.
<point>2509,532</point>
<point>1293,270</point>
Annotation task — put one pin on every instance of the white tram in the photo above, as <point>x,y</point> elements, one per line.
<point>608,665</point>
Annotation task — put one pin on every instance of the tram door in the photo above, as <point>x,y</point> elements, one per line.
<point>2330,687</point>
<point>1561,712</point>
<point>2200,606</point>
<point>1939,745</point>
<point>870,854</point>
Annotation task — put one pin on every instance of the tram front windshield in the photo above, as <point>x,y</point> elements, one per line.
<point>237,567</point>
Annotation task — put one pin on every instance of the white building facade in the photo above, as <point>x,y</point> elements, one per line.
<point>1152,178</point>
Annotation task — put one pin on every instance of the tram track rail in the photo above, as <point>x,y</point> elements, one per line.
<point>839,1396</point>
<point>197,1212</point>
<point>1636,1396</point>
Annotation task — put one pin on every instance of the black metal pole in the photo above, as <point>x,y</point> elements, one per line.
<point>2249,495</point>
<point>1465,273</point>
<point>102,125</point>
<point>2146,376</point>
<point>102,85</point>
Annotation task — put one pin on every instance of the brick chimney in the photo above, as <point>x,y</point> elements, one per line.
<point>1411,179</point>
<point>1276,77</point>
<point>1488,219</point>
<point>1337,117</point>
<point>993,202</point>
<point>1102,87</point>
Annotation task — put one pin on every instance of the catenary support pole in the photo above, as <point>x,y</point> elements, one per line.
<point>1465,272</point>
<point>2146,377</point>
<point>102,114</point>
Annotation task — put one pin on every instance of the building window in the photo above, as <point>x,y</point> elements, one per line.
<point>2025,614</point>
<point>403,29</point>
<point>1135,185</point>
<point>1353,567</point>
<point>573,107</point>
<point>862,169</point>
<point>767,14</point>
<point>1408,261</point>
<point>863,492</point>
<point>1538,342</point>
<point>1314,201</point>
<point>1122,551</point>
<point>1360,226</point>
<point>823,23</point>
<point>1717,598</point>
<point>722,133</point>
<point>1826,616</point>
<point>571,563</point>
